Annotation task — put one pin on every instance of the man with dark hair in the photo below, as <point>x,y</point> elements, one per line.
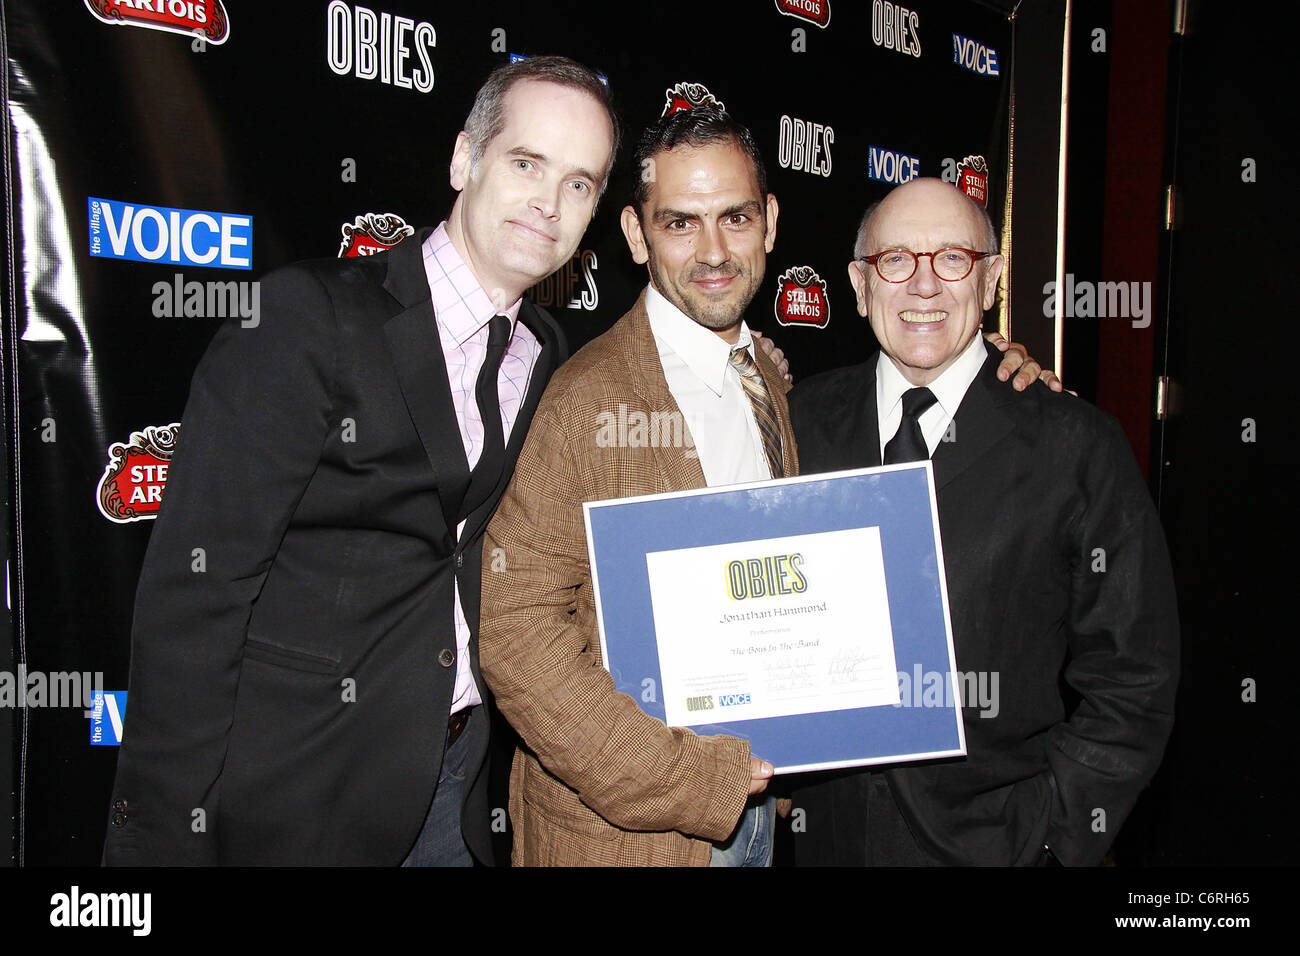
<point>598,781</point>
<point>1056,567</point>
<point>304,678</point>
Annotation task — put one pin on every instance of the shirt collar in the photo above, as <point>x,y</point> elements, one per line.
<point>704,352</point>
<point>948,389</point>
<point>459,302</point>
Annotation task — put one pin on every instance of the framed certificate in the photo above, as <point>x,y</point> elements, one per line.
<point>808,615</point>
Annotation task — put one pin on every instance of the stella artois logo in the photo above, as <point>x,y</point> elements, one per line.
<point>133,482</point>
<point>373,232</point>
<point>801,298</point>
<point>973,178</point>
<point>203,18</point>
<point>814,11</point>
<point>687,96</point>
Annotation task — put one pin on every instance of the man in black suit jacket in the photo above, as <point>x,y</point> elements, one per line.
<point>297,675</point>
<point>1056,565</point>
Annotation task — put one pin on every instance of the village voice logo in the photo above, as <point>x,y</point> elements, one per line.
<point>689,96</point>
<point>131,488</point>
<point>371,233</point>
<point>974,56</point>
<point>814,11</point>
<point>801,298</point>
<point>178,237</point>
<point>891,166</point>
<point>205,18</point>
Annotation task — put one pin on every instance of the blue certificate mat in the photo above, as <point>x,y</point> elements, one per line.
<point>808,615</point>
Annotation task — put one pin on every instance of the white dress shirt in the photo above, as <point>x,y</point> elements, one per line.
<point>948,389</point>
<point>707,389</point>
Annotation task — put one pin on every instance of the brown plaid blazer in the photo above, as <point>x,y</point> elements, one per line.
<point>597,781</point>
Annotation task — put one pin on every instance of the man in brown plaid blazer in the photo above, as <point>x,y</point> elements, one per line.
<point>597,781</point>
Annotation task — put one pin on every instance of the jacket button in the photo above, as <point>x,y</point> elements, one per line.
<point>446,658</point>
<point>119,820</point>
<point>460,560</point>
<point>119,806</point>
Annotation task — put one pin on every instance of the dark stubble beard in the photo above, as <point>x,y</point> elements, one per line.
<point>701,312</point>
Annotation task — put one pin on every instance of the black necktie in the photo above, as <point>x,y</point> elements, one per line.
<point>908,444</point>
<point>492,459</point>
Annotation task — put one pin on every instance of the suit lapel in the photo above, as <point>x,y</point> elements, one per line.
<point>422,372</point>
<point>679,466</point>
<point>863,422</point>
<point>978,425</point>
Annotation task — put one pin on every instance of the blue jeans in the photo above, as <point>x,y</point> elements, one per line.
<point>440,842</point>
<point>751,842</point>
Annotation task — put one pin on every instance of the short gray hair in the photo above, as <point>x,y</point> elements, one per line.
<point>487,118</point>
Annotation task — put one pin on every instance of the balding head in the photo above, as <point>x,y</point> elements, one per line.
<point>924,322</point>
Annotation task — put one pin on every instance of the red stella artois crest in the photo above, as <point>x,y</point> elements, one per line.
<point>973,178</point>
<point>814,11</point>
<point>373,232</point>
<point>204,18</point>
<point>801,298</point>
<point>133,482</point>
<point>687,96</point>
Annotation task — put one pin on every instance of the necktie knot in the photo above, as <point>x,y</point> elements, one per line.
<point>908,444</point>
<point>744,364</point>
<point>916,401</point>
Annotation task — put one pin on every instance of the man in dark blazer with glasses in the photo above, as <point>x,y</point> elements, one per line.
<point>1059,581</point>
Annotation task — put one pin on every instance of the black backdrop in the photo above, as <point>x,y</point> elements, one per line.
<point>261,125</point>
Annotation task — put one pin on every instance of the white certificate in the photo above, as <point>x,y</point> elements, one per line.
<point>773,628</point>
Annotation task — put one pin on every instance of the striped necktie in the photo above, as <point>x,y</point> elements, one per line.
<point>761,402</point>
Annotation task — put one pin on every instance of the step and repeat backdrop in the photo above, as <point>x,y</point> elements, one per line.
<point>162,154</point>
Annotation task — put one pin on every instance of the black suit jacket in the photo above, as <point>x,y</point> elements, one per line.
<point>1057,569</point>
<point>293,654</point>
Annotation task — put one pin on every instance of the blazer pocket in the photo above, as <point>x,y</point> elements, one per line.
<point>289,657</point>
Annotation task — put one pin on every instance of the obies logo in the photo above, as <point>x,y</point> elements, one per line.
<point>806,146</point>
<point>700,703</point>
<point>814,11</point>
<point>801,298</point>
<point>560,290</point>
<point>205,18</point>
<point>380,46</point>
<point>765,577</point>
<point>973,178</point>
<point>133,482</point>
<point>895,27</point>
<point>371,233</point>
<point>687,96</point>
